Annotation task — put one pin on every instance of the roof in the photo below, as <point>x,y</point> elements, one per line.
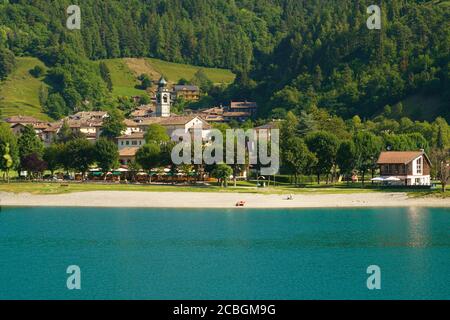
<point>243,105</point>
<point>236,114</point>
<point>213,111</point>
<point>53,127</point>
<point>400,157</point>
<point>89,114</point>
<point>180,87</point>
<point>128,152</point>
<point>134,135</point>
<point>22,119</point>
<point>162,81</point>
<point>72,123</point>
<point>130,123</point>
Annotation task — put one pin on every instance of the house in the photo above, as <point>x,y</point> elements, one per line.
<point>22,120</point>
<point>134,140</point>
<point>50,134</point>
<point>90,115</point>
<point>131,126</point>
<point>244,106</point>
<point>18,123</point>
<point>214,114</point>
<point>187,92</point>
<point>236,116</point>
<point>142,112</point>
<point>90,128</point>
<point>128,154</point>
<point>409,168</point>
<point>185,123</point>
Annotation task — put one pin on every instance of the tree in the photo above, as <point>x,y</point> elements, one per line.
<point>346,158</point>
<point>38,71</point>
<point>55,106</point>
<point>133,168</point>
<point>64,134</point>
<point>7,161</point>
<point>113,125</point>
<point>149,157</point>
<point>444,171</point>
<point>52,157</point>
<point>324,145</point>
<point>201,79</point>
<point>368,147</point>
<point>79,155</point>
<point>9,152</point>
<point>222,172</point>
<point>106,155</point>
<point>145,99</point>
<point>297,158</point>
<point>34,164</point>
<point>29,143</point>
<point>7,63</point>
<point>106,75</point>
<point>157,134</point>
<point>146,82</point>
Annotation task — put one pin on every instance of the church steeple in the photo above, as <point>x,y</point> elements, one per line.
<point>163,101</point>
<point>162,82</point>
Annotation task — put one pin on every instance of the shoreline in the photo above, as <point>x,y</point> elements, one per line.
<point>137,199</point>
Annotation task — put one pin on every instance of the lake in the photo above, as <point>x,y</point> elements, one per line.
<point>224,254</point>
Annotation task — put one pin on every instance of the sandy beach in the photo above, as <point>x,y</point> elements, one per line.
<point>133,199</point>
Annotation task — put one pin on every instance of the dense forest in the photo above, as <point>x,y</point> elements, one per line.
<point>288,54</point>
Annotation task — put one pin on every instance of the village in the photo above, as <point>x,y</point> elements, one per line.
<point>396,168</point>
<point>89,124</point>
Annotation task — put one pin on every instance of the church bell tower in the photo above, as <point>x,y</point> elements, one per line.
<point>163,99</point>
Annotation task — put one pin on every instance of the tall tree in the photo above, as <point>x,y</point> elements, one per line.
<point>29,144</point>
<point>79,155</point>
<point>113,125</point>
<point>324,145</point>
<point>149,157</point>
<point>9,152</point>
<point>368,147</point>
<point>106,155</point>
<point>346,158</point>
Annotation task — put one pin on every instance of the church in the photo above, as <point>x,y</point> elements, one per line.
<point>163,99</point>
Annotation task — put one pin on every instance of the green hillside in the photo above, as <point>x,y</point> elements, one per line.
<point>125,71</point>
<point>19,94</point>
<point>124,80</point>
<point>175,71</point>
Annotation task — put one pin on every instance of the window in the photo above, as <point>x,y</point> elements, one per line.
<point>419,166</point>
<point>134,143</point>
<point>128,143</point>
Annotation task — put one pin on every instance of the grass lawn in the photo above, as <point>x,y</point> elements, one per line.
<point>124,80</point>
<point>19,94</point>
<point>59,188</point>
<point>124,73</point>
<point>176,71</point>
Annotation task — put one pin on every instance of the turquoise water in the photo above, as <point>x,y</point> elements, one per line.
<point>224,254</point>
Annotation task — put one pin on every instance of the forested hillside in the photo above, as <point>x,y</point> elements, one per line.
<point>288,54</point>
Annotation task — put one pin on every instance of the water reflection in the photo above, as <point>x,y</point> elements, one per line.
<point>418,227</point>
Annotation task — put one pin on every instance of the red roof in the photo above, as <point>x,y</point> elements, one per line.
<point>399,157</point>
